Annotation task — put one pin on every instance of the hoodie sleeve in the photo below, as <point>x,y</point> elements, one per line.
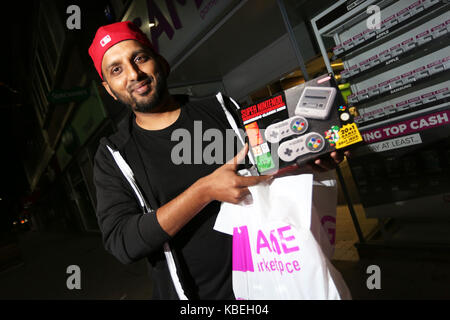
<point>127,233</point>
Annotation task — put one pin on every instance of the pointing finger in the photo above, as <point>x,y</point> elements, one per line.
<point>239,158</point>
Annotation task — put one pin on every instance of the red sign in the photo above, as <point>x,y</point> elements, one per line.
<point>262,107</point>
<point>407,127</point>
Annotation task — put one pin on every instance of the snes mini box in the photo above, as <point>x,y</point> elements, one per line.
<point>299,124</point>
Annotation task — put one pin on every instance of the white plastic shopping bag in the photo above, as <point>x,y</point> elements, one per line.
<point>275,253</point>
<point>323,215</point>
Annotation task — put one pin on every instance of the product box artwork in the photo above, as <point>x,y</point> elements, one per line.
<point>299,124</point>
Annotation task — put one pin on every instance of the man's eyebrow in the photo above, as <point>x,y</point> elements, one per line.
<point>135,53</point>
<point>112,64</point>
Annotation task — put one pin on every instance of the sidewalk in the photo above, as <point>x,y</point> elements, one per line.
<point>403,276</point>
<point>46,257</point>
<point>401,279</point>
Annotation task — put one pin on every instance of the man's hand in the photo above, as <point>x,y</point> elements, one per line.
<point>322,164</point>
<point>330,161</point>
<point>224,184</point>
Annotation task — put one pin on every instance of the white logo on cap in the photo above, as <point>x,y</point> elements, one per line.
<point>105,40</point>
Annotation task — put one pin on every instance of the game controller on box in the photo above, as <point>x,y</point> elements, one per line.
<point>299,124</point>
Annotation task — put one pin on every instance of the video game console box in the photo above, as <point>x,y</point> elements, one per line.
<point>299,124</point>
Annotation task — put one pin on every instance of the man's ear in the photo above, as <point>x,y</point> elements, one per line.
<point>106,85</point>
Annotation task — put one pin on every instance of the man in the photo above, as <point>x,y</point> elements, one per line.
<point>186,197</point>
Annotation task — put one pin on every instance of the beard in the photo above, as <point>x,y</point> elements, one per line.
<point>154,99</point>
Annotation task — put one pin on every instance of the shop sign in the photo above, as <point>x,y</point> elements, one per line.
<point>175,23</point>
<point>76,94</point>
<point>407,127</point>
<point>397,143</point>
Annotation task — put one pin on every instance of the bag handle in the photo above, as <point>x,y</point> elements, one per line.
<point>128,173</point>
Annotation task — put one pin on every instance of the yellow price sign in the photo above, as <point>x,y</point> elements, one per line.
<point>348,135</point>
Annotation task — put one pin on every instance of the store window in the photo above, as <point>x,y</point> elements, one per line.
<point>47,39</point>
<point>38,105</point>
<point>45,65</point>
<point>51,35</point>
<point>43,78</point>
<point>42,94</point>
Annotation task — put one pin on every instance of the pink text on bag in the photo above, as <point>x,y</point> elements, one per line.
<point>242,254</point>
<point>277,242</point>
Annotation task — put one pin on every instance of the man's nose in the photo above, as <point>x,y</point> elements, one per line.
<point>133,71</point>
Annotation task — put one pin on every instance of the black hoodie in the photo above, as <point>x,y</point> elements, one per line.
<point>202,255</point>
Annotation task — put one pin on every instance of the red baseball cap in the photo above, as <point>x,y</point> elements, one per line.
<point>109,35</point>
